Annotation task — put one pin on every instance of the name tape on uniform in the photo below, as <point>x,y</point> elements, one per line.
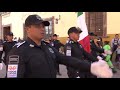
<point>13,59</point>
<point>12,71</point>
<point>68,51</point>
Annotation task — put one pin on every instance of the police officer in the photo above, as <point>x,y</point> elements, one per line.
<point>34,58</point>
<point>7,46</point>
<point>94,49</point>
<point>74,48</point>
<point>56,44</point>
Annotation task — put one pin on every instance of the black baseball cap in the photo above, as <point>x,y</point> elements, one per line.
<point>10,34</point>
<point>35,20</point>
<point>92,34</point>
<point>75,30</point>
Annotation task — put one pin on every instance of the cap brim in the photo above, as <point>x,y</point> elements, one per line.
<point>80,31</point>
<point>46,23</point>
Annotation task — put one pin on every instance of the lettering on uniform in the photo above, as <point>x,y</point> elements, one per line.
<point>68,51</point>
<point>50,49</point>
<point>13,59</point>
<point>12,71</point>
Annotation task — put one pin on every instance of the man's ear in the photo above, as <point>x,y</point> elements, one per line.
<point>27,29</point>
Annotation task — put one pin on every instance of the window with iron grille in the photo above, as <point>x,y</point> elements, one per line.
<point>96,22</point>
<point>49,30</point>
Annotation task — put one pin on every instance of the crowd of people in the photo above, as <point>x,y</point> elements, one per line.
<point>39,58</point>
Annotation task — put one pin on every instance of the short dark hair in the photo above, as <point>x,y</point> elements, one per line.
<point>74,30</point>
<point>9,34</point>
<point>55,35</point>
<point>92,34</point>
<point>106,42</point>
<point>116,34</point>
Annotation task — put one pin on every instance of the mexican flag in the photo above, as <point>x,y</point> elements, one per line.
<point>84,38</point>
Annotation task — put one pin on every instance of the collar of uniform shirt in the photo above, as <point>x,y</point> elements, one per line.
<point>73,41</point>
<point>31,42</point>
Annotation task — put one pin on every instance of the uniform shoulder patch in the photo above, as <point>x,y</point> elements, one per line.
<point>19,44</point>
<point>13,59</point>
<point>68,51</point>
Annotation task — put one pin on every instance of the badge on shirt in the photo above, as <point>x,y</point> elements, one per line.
<point>68,51</point>
<point>12,71</point>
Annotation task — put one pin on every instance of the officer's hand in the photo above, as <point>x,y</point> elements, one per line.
<point>99,58</point>
<point>108,52</point>
<point>1,66</point>
<point>104,54</point>
<point>101,69</point>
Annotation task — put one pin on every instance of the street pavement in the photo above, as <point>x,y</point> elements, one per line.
<point>64,73</point>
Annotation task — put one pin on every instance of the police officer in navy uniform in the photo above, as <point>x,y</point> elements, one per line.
<point>35,58</point>
<point>74,48</point>
<point>95,50</point>
<point>7,46</point>
<point>57,45</point>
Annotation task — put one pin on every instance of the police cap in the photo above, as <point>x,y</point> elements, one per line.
<point>35,20</point>
<point>74,30</point>
<point>9,34</point>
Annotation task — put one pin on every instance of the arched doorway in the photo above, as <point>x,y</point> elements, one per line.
<point>96,22</point>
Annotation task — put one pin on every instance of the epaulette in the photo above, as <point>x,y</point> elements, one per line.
<point>19,44</point>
